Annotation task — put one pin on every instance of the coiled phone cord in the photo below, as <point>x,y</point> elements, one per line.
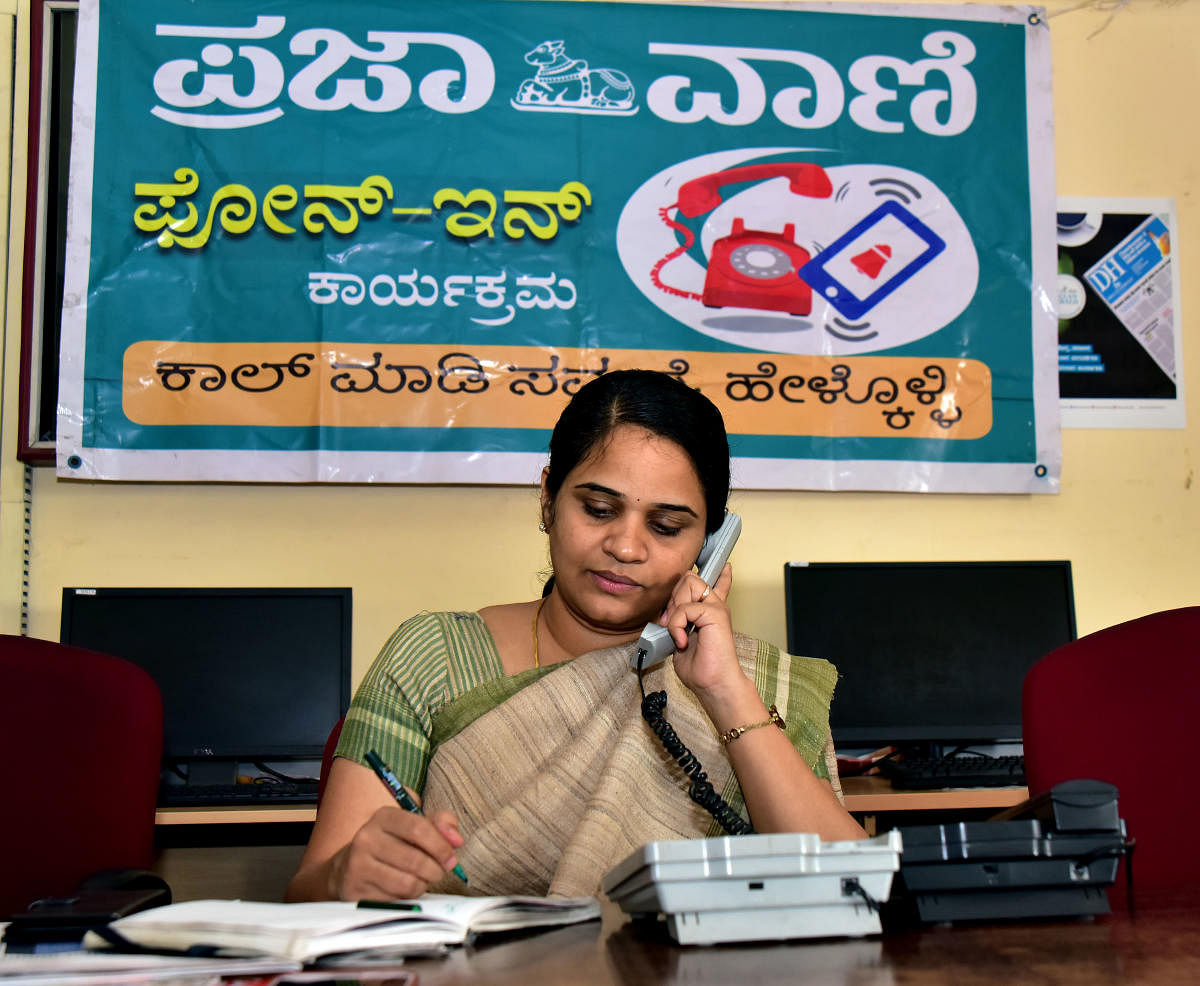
<point>701,790</point>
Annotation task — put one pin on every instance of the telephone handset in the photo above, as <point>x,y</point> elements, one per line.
<point>701,195</point>
<point>655,644</point>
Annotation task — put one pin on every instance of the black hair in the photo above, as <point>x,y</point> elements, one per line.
<point>658,402</point>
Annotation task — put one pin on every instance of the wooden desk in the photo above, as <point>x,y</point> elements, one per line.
<point>1161,945</point>
<point>879,806</point>
<point>252,852</point>
<point>863,795</point>
<point>244,851</point>
<point>876,794</point>
<point>239,815</point>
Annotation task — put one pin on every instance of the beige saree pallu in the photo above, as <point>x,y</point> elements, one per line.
<point>562,779</point>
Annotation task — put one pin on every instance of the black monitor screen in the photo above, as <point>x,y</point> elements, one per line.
<point>245,674</point>
<point>928,651</point>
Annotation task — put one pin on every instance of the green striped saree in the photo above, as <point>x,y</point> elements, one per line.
<point>553,774</point>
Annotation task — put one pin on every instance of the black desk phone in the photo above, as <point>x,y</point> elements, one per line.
<point>1054,855</point>
<point>655,646</point>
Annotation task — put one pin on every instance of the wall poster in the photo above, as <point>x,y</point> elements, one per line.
<point>1120,338</point>
<point>385,241</point>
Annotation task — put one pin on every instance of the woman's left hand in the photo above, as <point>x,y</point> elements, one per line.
<point>706,661</point>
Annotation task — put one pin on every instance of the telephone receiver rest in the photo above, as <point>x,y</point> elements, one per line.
<point>655,644</point>
<point>1075,805</point>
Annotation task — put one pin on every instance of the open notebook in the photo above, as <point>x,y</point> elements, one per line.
<point>330,932</point>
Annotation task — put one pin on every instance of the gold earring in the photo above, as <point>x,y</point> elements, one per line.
<point>542,527</point>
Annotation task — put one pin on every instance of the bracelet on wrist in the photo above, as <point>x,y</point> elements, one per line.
<point>730,735</point>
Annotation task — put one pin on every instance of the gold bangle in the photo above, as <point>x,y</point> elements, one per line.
<point>736,731</point>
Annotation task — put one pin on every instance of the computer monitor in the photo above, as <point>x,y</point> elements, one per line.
<point>247,675</point>
<point>928,653</point>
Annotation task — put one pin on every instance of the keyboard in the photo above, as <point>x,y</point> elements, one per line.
<point>213,795</point>
<point>959,771</point>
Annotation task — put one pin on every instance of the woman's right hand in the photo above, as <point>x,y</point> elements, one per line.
<point>365,847</point>
<point>395,854</point>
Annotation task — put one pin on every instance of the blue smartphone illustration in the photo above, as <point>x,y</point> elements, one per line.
<point>872,259</point>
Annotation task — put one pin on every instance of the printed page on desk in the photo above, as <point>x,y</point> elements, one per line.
<point>489,914</point>
<point>69,968</point>
<point>333,931</point>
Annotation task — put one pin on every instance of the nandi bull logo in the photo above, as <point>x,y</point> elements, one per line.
<point>567,85</point>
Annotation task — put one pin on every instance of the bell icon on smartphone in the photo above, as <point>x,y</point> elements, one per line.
<point>870,262</point>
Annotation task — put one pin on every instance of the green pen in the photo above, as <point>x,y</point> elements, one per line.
<point>403,799</point>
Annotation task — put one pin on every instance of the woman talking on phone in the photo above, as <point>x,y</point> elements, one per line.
<point>519,727</point>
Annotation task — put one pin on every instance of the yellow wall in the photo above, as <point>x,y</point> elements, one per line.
<point>1126,516</point>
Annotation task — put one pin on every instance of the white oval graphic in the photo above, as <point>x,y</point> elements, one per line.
<point>1071,296</point>
<point>886,258</point>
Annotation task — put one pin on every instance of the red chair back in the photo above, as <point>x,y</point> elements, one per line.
<point>327,758</point>
<point>1120,705</point>
<point>81,735</point>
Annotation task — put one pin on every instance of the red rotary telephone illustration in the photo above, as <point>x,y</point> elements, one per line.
<point>749,268</point>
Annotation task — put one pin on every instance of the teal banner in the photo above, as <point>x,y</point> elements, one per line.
<point>385,242</point>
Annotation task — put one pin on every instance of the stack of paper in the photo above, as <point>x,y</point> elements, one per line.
<point>339,932</point>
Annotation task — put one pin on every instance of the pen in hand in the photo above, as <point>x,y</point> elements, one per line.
<point>403,798</point>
